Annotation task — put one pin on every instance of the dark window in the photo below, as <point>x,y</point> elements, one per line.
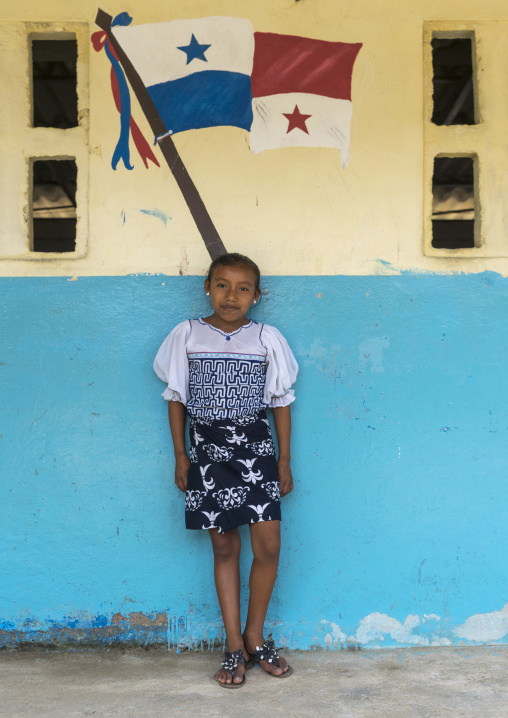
<point>452,64</point>
<point>54,205</point>
<point>54,83</point>
<point>453,203</point>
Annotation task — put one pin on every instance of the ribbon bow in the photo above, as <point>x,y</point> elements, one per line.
<point>122,99</point>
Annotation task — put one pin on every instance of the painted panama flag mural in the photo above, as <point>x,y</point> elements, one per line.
<point>284,90</point>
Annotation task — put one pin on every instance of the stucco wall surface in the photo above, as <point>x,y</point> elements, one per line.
<point>295,208</point>
<point>396,530</point>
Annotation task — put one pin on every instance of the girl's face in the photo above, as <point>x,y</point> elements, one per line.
<point>232,292</point>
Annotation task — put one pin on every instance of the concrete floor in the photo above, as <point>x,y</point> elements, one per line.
<point>398,683</point>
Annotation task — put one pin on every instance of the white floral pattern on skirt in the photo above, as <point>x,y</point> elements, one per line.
<point>194,499</point>
<point>263,448</point>
<point>272,489</point>
<point>229,498</point>
<point>232,462</point>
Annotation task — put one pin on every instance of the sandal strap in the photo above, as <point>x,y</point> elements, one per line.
<point>267,652</point>
<point>231,660</point>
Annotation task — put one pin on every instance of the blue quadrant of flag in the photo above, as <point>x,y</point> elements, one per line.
<point>204,99</point>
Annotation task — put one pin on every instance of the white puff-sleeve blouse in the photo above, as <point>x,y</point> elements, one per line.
<point>225,375</point>
<point>172,365</point>
<point>281,371</point>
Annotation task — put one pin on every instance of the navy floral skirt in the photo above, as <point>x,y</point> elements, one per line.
<point>233,478</point>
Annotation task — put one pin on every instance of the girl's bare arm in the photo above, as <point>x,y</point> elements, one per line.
<point>282,419</point>
<point>176,414</point>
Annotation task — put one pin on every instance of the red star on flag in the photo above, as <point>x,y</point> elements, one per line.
<point>291,71</point>
<point>296,120</point>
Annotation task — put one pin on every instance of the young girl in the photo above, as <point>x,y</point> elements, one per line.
<point>224,370</point>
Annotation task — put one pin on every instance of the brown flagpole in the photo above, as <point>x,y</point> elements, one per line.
<point>206,228</point>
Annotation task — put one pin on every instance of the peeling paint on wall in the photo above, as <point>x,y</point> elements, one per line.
<point>379,629</point>
<point>376,626</point>
<point>484,627</point>
<point>376,630</point>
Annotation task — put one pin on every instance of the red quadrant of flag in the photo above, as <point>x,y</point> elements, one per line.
<point>287,63</point>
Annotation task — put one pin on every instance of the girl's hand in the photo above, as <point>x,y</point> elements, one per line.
<point>285,477</point>
<point>181,471</point>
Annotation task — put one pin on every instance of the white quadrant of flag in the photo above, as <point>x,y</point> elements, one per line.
<point>213,43</point>
<point>327,125</point>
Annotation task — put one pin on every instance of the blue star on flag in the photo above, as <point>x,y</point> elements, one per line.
<point>194,50</point>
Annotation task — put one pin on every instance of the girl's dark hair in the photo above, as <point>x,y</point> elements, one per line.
<point>231,259</point>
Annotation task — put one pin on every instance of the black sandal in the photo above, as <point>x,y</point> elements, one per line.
<point>268,653</point>
<point>230,663</point>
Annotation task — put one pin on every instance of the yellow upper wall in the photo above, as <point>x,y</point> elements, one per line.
<point>293,210</point>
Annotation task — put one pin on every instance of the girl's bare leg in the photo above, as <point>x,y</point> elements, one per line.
<point>265,540</point>
<point>226,553</point>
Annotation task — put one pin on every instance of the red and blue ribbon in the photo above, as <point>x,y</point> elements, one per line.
<point>121,95</point>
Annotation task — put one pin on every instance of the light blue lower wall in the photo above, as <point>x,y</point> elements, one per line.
<point>396,533</point>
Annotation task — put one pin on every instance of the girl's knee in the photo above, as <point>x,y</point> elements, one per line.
<point>266,548</point>
<point>226,547</point>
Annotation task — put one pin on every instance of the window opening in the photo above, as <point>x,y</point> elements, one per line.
<point>54,205</point>
<point>452,63</point>
<point>453,203</point>
<point>54,83</point>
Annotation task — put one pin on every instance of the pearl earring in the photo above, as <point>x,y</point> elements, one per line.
<point>208,294</point>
